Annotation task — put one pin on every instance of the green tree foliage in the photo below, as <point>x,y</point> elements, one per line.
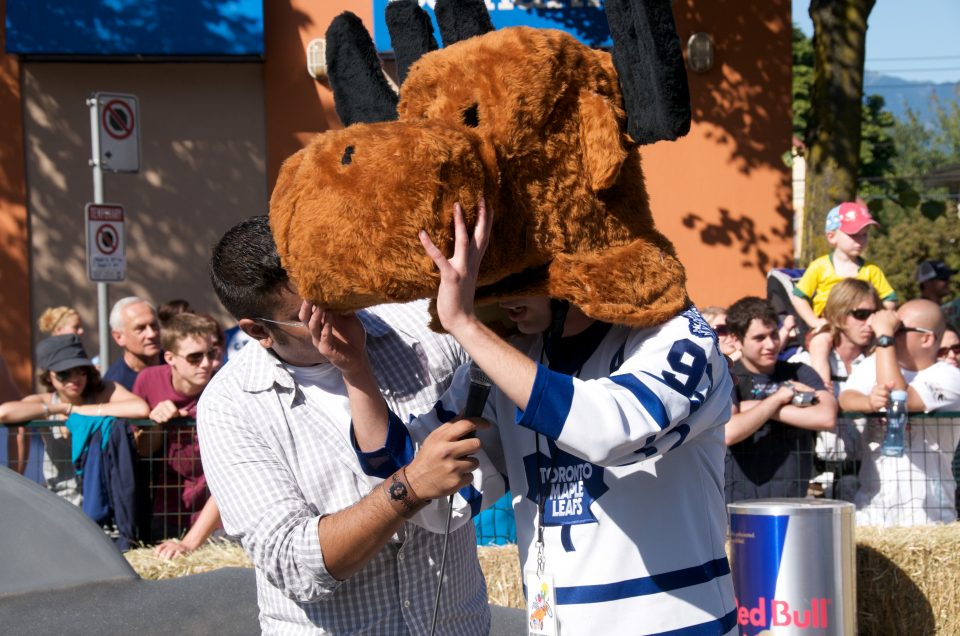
<point>920,149</point>
<point>893,157</point>
<point>877,147</point>
<point>802,82</point>
<point>899,250</point>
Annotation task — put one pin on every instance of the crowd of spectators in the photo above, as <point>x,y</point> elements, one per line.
<point>802,375</point>
<point>786,436</point>
<point>167,357</point>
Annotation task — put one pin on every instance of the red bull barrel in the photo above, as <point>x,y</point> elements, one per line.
<point>794,566</point>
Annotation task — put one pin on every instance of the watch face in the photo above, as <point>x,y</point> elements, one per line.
<point>885,341</point>
<point>397,490</point>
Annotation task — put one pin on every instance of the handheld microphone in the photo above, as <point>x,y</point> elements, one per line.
<point>476,399</point>
<point>477,394</point>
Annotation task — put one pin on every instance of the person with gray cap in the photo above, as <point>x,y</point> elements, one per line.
<point>73,385</point>
<point>934,280</point>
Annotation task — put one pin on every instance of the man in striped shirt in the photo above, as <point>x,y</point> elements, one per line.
<point>332,547</point>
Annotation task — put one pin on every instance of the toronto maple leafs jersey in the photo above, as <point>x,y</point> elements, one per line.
<point>625,455</point>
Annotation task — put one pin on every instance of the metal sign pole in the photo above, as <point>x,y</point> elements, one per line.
<point>102,300</point>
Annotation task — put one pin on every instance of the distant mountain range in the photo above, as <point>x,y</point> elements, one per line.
<point>899,94</point>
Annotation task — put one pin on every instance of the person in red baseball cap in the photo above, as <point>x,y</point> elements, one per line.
<point>847,228</point>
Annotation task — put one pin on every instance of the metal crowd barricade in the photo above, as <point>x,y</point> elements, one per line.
<point>168,460</point>
<point>919,487</point>
<point>165,458</point>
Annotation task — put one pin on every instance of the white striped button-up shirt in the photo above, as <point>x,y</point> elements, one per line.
<point>278,457</point>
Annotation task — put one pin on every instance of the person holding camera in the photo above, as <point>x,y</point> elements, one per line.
<point>778,407</point>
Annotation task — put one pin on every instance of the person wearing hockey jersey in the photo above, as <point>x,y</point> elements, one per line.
<point>612,442</point>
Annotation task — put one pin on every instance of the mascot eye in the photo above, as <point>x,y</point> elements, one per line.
<point>347,156</point>
<point>471,116</point>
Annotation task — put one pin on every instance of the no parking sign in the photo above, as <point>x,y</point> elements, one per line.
<point>106,252</point>
<point>117,131</point>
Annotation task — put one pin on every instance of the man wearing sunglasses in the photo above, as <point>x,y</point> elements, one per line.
<point>332,548</point>
<point>918,487</point>
<point>172,390</point>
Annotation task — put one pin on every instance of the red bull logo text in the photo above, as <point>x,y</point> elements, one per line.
<point>777,613</point>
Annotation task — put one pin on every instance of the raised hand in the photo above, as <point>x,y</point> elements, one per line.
<point>340,338</point>
<point>458,274</point>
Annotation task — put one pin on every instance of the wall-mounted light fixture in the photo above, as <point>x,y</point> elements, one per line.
<point>317,58</point>
<point>700,52</point>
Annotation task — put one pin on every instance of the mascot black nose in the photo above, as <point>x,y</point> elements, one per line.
<point>347,156</point>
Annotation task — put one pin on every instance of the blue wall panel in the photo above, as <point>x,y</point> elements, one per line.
<point>135,27</point>
<point>583,19</point>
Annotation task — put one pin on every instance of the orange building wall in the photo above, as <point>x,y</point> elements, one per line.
<point>14,247</point>
<point>297,106</point>
<point>722,194</point>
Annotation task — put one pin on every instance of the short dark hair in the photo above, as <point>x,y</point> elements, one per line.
<point>171,308</point>
<point>245,269</point>
<point>743,312</point>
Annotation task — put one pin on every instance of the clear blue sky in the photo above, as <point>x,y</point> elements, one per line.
<point>917,40</point>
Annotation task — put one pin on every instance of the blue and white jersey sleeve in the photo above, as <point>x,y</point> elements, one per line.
<point>657,389</point>
<point>404,440</point>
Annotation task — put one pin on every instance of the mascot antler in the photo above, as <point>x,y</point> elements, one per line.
<point>540,125</point>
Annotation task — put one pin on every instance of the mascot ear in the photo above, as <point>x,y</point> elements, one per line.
<point>653,78</point>
<point>601,140</point>
<point>461,19</point>
<point>360,90</point>
<point>411,33</point>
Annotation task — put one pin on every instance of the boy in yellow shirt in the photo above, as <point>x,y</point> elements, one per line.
<point>847,228</point>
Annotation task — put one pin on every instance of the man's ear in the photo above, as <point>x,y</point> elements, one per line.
<point>118,338</point>
<point>256,331</point>
<point>601,141</point>
<point>168,357</point>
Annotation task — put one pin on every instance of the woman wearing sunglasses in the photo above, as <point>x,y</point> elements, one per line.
<point>73,385</point>
<point>949,351</point>
<point>716,317</point>
<point>849,308</point>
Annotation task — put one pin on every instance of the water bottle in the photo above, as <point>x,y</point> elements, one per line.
<point>896,424</point>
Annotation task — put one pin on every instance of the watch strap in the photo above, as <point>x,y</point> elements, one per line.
<point>885,341</point>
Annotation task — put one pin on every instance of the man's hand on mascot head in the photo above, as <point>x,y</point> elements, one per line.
<point>340,338</point>
<point>458,274</point>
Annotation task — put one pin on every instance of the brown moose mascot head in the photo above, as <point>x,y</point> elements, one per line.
<point>541,126</point>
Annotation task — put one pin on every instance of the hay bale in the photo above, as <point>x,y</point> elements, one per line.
<point>501,568</point>
<point>500,565</point>
<point>908,580</point>
<point>213,555</point>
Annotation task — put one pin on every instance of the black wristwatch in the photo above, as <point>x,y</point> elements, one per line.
<point>885,341</point>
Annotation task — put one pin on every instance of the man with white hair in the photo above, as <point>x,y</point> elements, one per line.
<point>136,330</point>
